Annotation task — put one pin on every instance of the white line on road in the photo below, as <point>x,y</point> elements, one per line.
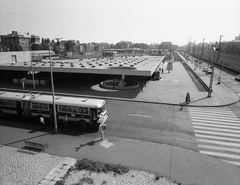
<point>216,122</point>
<point>213,114</point>
<point>140,115</point>
<point>219,148</point>
<point>216,129</point>
<point>220,154</point>
<point>217,133</point>
<point>217,137</point>
<point>216,125</point>
<point>218,142</point>
<point>232,162</point>
<point>217,119</point>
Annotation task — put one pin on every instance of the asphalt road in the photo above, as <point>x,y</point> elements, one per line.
<point>140,121</point>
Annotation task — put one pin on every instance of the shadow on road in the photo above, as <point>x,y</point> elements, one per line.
<point>91,143</point>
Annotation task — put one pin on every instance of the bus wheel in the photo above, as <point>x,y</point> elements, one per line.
<point>82,124</point>
<point>1,114</point>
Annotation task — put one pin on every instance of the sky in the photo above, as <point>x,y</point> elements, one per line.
<point>112,21</point>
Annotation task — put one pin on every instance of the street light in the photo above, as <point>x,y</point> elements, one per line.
<point>51,72</point>
<point>211,78</point>
<point>219,78</point>
<point>32,64</point>
<point>202,47</point>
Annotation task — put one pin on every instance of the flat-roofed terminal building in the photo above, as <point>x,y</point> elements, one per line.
<point>79,71</point>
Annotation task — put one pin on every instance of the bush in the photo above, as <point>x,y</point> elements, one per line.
<point>100,167</point>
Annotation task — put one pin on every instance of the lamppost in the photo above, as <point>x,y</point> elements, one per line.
<point>53,94</point>
<point>219,78</point>
<point>32,64</point>
<point>211,78</point>
<point>202,47</point>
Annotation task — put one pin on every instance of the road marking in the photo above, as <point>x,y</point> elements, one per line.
<point>232,162</point>
<point>215,122</point>
<point>219,148</point>
<point>214,125</point>
<point>140,115</point>
<point>213,114</point>
<point>226,119</point>
<point>216,129</point>
<point>219,142</point>
<point>217,137</point>
<point>216,133</point>
<point>232,156</point>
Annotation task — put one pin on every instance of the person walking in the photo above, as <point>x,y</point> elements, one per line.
<point>65,121</point>
<point>42,122</point>
<point>187,99</point>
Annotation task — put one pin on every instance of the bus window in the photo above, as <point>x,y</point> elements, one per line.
<point>63,108</point>
<point>40,106</point>
<point>8,103</point>
<point>83,110</point>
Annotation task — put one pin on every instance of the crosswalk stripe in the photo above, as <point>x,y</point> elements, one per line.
<point>218,142</point>
<point>216,129</point>
<point>217,133</point>
<point>215,125</point>
<point>232,120</point>
<point>213,115</point>
<point>217,137</point>
<point>232,156</point>
<point>219,148</point>
<point>212,111</point>
<point>232,162</point>
<point>209,109</point>
<point>216,122</point>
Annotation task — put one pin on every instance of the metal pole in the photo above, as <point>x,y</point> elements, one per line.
<point>53,98</point>
<point>211,78</point>
<point>32,66</point>
<point>202,47</point>
<point>219,50</point>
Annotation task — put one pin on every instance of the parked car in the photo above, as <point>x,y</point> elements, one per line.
<point>207,70</point>
<point>237,77</point>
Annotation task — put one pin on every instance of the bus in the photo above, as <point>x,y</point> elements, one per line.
<point>83,111</point>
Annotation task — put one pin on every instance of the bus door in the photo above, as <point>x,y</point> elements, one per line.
<point>19,109</point>
<point>51,112</point>
<point>26,107</point>
<point>93,116</point>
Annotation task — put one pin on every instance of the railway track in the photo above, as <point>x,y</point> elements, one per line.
<point>202,87</point>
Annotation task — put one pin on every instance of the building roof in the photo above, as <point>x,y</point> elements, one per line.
<point>136,66</point>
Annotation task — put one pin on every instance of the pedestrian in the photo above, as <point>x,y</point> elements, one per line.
<point>187,99</point>
<point>162,70</point>
<point>42,122</point>
<point>65,121</point>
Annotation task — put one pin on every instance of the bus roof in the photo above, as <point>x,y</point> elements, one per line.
<point>74,101</point>
<point>11,95</point>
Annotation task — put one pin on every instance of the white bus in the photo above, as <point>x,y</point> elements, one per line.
<point>86,112</point>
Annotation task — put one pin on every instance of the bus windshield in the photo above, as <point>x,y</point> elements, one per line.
<point>102,109</point>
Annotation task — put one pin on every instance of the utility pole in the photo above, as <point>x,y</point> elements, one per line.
<point>211,78</point>
<point>202,47</point>
<point>219,50</point>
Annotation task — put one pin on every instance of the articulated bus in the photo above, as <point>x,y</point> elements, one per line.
<point>86,112</point>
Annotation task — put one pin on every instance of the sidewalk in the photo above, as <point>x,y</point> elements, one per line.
<point>178,164</point>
